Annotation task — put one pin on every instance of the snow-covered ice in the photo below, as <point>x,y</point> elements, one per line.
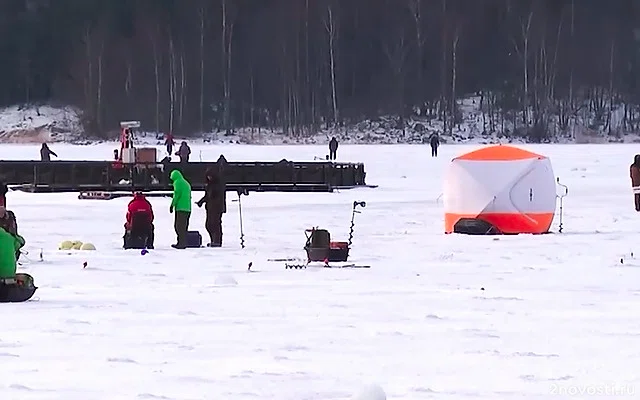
<point>436,317</point>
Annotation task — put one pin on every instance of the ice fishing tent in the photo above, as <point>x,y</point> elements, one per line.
<point>499,190</point>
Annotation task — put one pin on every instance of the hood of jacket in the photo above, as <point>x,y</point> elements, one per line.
<point>636,160</point>
<point>176,175</point>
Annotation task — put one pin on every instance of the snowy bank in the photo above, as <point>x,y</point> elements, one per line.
<point>36,124</point>
<point>46,123</point>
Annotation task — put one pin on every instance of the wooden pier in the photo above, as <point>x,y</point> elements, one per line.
<point>108,176</point>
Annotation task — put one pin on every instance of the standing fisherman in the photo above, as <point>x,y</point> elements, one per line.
<point>634,171</point>
<point>181,204</point>
<point>434,141</point>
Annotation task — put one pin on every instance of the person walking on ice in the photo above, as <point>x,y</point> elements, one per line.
<point>46,153</point>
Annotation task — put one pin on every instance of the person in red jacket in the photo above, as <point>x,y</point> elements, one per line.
<point>169,143</point>
<point>139,229</point>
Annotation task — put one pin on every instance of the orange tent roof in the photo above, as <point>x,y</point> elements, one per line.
<point>499,153</point>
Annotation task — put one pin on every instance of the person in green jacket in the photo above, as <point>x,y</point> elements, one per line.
<point>9,245</point>
<point>181,204</point>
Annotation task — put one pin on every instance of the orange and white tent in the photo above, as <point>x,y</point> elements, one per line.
<point>499,189</point>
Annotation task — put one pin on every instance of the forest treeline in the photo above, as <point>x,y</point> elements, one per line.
<point>299,65</point>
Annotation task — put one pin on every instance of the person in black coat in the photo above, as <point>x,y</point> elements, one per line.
<point>4,189</point>
<point>184,152</point>
<point>215,200</point>
<point>434,141</point>
<point>333,148</point>
<point>46,153</point>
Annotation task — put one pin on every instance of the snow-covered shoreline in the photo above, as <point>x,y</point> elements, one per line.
<point>46,123</point>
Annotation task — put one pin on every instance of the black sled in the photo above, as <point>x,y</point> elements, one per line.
<point>320,248</point>
<point>18,289</point>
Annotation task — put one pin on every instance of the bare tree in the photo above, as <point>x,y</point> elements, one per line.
<point>201,14</point>
<point>94,43</point>
<point>88,79</point>
<point>454,75</point>
<point>442,109</point>
<point>156,70</point>
<point>331,26</point>
<point>396,50</point>
<point>183,88</point>
<point>128,80</point>
<point>522,50</point>
<point>571,54</point>
<point>228,20</point>
<point>612,52</point>
<point>415,7</point>
<point>307,60</point>
<point>172,82</point>
<point>99,109</point>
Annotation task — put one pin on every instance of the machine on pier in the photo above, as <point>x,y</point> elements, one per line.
<point>129,154</point>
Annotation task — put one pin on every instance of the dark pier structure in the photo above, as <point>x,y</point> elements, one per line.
<point>110,177</point>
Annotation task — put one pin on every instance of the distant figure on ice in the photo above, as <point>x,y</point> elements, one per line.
<point>635,180</point>
<point>46,153</point>
<point>184,152</point>
<point>333,148</point>
<point>434,141</point>
<point>139,229</point>
<point>181,204</point>
<point>215,201</point>
<point>169,142</point>
<point>4,189</point>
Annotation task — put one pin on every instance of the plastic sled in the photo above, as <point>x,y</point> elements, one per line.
<point>18,289</point>
<point>319,247</point>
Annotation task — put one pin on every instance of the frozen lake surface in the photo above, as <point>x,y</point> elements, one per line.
<point>436,317</point>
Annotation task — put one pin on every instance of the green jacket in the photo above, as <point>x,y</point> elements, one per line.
<point>9,245</point>
<point>181,192</point>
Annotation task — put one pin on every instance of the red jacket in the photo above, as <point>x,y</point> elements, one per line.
<point>139,204</point>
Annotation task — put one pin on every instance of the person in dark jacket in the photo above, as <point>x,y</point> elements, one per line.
<point>215,200</point>
<point>4,189</point>
<point>184,152</point>
<point>333,148</point>
<point>46,153</point>
<point>434,141</point>
<point>634,172</point>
